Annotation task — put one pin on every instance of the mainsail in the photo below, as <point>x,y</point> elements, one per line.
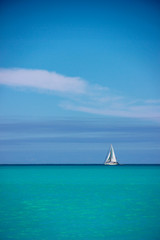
<point>111,156</point>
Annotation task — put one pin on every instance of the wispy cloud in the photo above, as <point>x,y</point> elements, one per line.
<point>153,101</point>
<point>80,95</point>
<point>141,111</point>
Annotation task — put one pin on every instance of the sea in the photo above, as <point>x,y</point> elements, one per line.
<point>80,202</point>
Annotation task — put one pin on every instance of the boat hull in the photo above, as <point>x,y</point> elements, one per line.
<point>111,164</point>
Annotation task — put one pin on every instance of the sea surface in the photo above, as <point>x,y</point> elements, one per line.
<point>80,202</point>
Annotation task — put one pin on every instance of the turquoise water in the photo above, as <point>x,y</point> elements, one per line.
<point>80,202</point>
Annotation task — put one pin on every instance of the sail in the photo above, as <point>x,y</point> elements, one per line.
<point>111,156</point>
<point>108,159</point>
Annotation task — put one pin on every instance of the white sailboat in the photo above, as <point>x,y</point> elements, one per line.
<point>111,158</point>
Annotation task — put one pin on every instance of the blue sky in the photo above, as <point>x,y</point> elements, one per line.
<point>65,65</point>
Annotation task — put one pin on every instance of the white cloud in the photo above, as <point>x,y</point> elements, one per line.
<point>42,79</point>
<point>82,96</point>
